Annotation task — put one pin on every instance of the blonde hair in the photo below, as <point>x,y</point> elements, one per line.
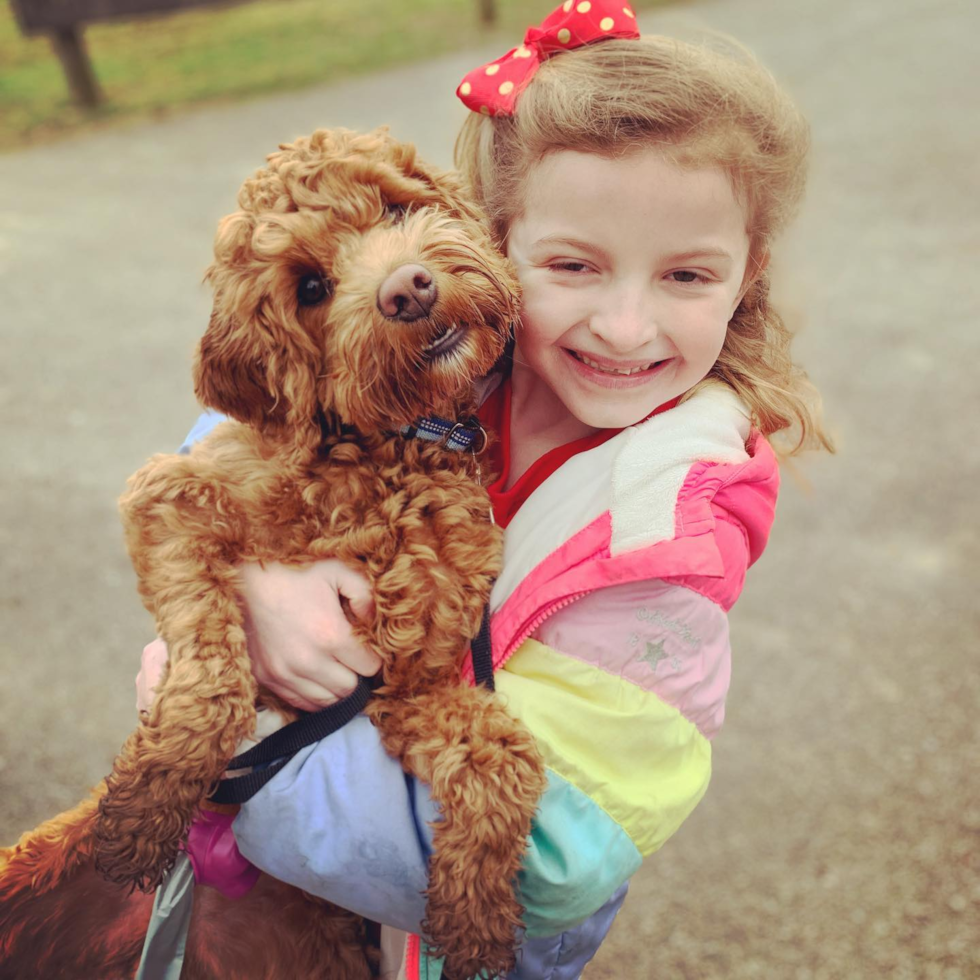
<point>703,107</point>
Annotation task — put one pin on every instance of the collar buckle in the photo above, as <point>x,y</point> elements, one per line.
<point>473,428</point>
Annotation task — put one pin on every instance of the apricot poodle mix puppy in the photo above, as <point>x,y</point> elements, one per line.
<point>355,291</point>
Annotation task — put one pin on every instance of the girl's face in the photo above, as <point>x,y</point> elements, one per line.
<point>631,269</point>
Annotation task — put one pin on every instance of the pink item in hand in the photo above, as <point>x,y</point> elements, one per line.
<point>215,857</point>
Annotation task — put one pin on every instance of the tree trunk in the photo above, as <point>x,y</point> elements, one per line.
<point>488,11</point>
<point>70,48</point>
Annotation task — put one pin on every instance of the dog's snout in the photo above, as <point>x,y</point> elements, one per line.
<point>409,293</point>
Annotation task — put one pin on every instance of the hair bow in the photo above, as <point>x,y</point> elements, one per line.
<point>493,89</point>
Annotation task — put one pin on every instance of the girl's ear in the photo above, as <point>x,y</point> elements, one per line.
<point>231,374</point>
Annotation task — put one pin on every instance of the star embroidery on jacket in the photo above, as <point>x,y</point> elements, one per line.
<point>655,653</point>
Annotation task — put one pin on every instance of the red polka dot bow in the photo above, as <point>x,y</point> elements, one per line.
<point>493,89</point>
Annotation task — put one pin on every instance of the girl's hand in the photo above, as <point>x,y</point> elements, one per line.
<point>299,637</point>
<point>152,662</point>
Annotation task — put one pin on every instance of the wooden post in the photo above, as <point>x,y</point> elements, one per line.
<point>70,48</point>
<point>488,11</point>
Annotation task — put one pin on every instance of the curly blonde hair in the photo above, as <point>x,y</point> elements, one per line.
<point>703,107</point>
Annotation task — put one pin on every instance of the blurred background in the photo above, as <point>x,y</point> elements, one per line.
<point>841,835</point>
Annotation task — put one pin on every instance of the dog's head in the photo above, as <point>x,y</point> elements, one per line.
<point>354,280</point>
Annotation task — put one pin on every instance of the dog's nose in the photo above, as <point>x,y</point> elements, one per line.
<point>409,293</point>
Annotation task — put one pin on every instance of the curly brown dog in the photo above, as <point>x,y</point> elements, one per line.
<point>355,291</point>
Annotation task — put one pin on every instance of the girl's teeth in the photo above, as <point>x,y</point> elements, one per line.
<point>611,370</point>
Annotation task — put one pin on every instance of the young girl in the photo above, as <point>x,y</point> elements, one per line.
<point>637,184</point>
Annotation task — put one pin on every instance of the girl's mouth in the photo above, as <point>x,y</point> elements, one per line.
<point>610,376</point>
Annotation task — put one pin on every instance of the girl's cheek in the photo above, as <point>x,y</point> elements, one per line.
<point>541,302</point>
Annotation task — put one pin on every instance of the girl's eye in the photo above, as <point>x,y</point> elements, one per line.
<point>313,289</point>
<point>686,275</point>
<point>396,212</point>
<point>569,267</point>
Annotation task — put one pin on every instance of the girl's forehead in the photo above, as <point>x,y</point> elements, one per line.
<point>605,193</point>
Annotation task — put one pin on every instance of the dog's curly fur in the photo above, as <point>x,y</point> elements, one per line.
<point>312,468</point>
<point>61,920</point>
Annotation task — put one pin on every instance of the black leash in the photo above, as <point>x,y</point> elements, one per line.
<point>483,652</point>
<point>272,753</point>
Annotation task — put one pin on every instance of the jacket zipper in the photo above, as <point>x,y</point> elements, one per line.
<point>536,621</point>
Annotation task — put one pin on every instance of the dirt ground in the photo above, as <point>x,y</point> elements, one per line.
<point>841,834</point>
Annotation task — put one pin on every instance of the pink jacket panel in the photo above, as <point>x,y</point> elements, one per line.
<point>662,637</point>
<point>736,505</point>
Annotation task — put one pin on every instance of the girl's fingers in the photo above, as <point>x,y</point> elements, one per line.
<point>348,649</point>
<point>152,664</point>
<point>326,674</point>
<point>311,694</point>
<point>357,590</point>
<point>300,641</point>
<point>353,654</point>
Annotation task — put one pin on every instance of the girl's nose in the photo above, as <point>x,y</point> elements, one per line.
<point>627,320</point>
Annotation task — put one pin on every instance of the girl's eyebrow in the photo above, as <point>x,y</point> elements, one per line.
<point>708,252</point>
<point>576,243</point>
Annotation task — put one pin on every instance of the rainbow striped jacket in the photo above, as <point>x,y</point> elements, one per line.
<point>610,635</point>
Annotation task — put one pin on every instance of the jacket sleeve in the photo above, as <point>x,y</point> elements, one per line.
<point>623,691</point>
<point>206,421</point>
<point>343,821</point>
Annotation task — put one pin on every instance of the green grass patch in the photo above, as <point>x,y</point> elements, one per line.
<point>159,64</point>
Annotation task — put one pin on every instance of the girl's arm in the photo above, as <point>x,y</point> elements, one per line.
<point>343,821</point>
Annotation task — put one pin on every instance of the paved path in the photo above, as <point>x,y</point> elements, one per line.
<point>841,837</point>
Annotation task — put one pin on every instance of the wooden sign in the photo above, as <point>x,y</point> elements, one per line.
<point>43,16</point>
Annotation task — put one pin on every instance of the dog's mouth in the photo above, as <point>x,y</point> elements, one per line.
<point>446,342</point>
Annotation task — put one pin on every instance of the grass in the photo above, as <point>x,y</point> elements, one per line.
<point>155,65</point>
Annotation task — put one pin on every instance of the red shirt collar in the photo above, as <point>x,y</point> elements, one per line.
<point>494,415</point>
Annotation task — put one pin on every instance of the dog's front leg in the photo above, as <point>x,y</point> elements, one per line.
<point>184,536</point>
<point>168,765</point>
<point>485,773</point>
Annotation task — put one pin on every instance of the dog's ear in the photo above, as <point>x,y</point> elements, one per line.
<point>231,373</point>
<point>253,362</point>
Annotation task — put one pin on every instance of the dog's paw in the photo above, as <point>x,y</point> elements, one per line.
<point>471,961</point>
<point>474,945</point>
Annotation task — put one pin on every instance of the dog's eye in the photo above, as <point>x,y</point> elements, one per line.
<point>312,289</point>
<point>396,212</point>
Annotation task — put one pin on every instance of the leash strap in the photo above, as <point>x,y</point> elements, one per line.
<point>483,653</point>
<point>274,752</point>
